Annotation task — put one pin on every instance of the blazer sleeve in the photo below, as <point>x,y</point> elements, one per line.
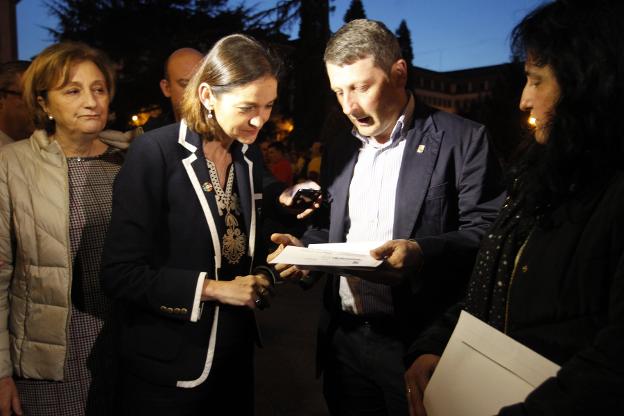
<point>133,270</point>
<point>433,340</point>
<point>479,198</point>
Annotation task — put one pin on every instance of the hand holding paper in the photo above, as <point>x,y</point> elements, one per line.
<point>287,270</point>
<point>402,259</point>
<point>483,370</point>
<point>386,263</point>
<point>416,379</point>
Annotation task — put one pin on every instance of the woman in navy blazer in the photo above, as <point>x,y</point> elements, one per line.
<point>180,257</point>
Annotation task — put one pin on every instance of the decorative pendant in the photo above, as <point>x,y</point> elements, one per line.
<point>233,245</point>
<point>207,187</point>
<point>234,242</point>
<point>230,220</point>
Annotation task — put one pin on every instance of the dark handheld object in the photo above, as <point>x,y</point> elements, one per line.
<point>304,198</point>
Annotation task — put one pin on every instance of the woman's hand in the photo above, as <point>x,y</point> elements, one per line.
<point>286,271</point>
<point>416,379</point>
<point>9,399</point>
<point>250,291</point>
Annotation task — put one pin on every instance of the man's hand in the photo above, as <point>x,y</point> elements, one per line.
<point>286,199</point>
<point>400,255</point>
<point>9,399</point>
<point>402,258</point>
<point>286,271</point>
<point>416,379</point>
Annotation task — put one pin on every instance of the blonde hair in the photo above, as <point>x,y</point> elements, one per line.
<point>52,68</point>
<point>233,61</point>
<point>360,39</point>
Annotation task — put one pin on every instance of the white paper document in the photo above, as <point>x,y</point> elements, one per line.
<point>326,256</point>
<point>482,370</point>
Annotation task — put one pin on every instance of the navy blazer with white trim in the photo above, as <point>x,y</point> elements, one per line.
<point>161,240</point>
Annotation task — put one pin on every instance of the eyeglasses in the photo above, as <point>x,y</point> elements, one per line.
<point>11,92</point>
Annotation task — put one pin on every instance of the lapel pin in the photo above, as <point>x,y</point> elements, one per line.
<point>207,187</point>
<point>421,148</point>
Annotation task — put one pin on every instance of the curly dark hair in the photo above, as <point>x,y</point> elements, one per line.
<point>583,43</point>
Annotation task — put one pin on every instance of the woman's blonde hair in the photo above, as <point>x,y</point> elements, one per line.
<point>51,69</point>
<point>233,61</point>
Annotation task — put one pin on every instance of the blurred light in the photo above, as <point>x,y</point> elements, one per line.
<point>144,114</point>
<point>532,121</point>
<point>284,126</point>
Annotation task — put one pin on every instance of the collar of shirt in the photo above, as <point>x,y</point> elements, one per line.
<point>399,132</point>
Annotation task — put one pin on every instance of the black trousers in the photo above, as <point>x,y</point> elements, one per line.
<point>364,370</point>
<point>229,390</point>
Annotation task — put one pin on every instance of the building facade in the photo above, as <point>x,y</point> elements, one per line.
<point>457,91</point>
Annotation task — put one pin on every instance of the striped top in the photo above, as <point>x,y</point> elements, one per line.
<point>372,195</point>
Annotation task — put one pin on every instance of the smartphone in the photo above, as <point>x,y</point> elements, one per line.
<point>304,198</point>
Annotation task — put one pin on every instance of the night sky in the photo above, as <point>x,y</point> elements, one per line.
<point>446,34</point>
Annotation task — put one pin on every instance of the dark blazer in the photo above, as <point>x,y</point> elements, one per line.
<point>447,196</point>
<point>161,238</point>
<point>566,302</point>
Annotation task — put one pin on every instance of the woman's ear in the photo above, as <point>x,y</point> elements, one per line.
<point>43,104</point>
<point>206,96</point>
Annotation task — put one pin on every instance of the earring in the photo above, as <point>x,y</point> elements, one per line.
<point>210,113</point>
<point>50,117</point>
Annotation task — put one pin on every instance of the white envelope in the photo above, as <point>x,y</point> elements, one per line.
<point>482,370</point>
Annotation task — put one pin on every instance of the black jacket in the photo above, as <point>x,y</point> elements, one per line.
<point>566,302</point>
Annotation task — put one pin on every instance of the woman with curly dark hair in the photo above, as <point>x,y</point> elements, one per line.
<point>550,272</point>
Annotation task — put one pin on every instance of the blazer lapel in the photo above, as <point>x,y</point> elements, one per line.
<point>241,170</point>
<point>339,188</point>
<point>419,157</point>
<point>197,171</point>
